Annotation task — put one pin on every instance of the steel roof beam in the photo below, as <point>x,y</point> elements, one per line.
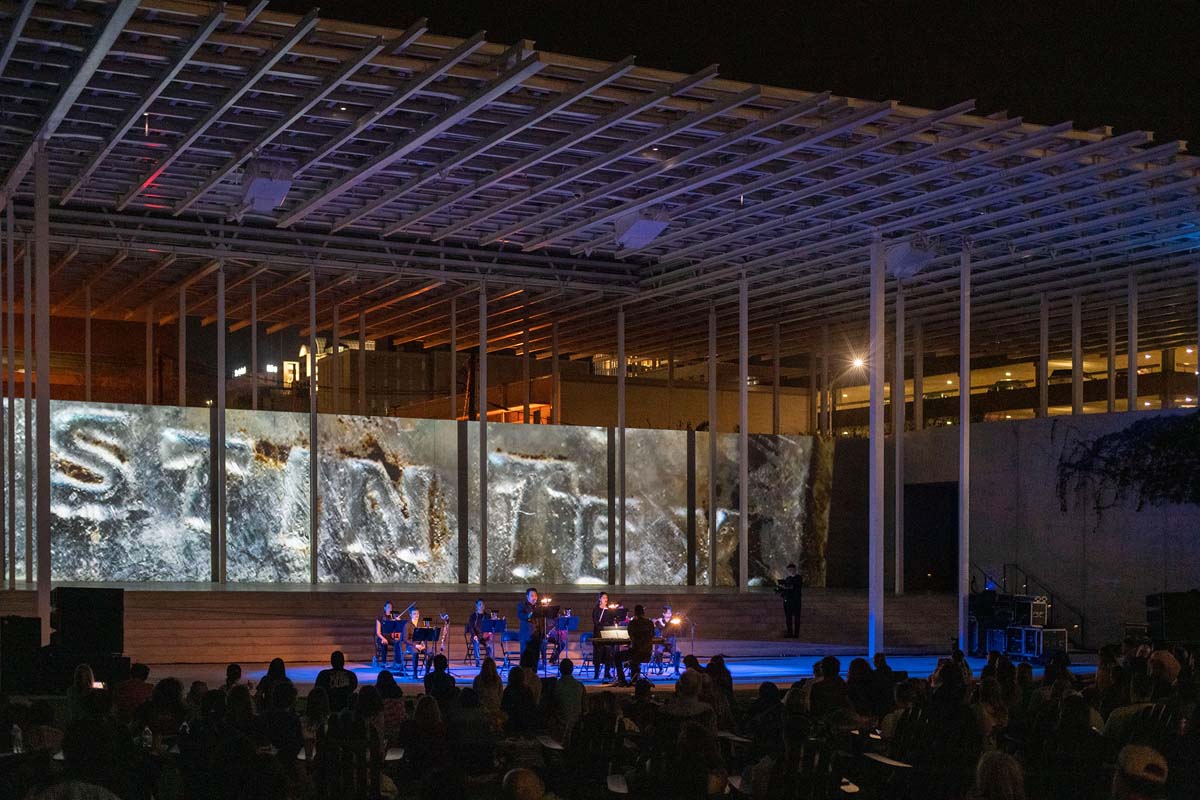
<point>108,267</point>
<point>117,135</point>
<point>14,32</point>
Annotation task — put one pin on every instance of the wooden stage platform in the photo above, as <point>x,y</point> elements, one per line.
<point>251,624</point>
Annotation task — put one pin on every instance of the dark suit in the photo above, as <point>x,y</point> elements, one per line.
<point>791,589</point>
<point>641,641</point>
<point>530,633</point>
<point>478,637</point>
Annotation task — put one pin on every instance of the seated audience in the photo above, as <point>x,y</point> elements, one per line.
<point>128,695</point>
<point>338,681</point>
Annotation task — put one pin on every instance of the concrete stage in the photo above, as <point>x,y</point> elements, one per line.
<point>748,671</point>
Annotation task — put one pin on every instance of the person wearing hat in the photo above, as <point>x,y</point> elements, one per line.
<point>1141,774</point>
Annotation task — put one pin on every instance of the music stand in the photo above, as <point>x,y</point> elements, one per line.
<point>496,627</point>
<point>426,635</point>
<point>543,613</point>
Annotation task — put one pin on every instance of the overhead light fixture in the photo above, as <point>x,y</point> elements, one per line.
<point>638,229</point>
<point>906,259</point>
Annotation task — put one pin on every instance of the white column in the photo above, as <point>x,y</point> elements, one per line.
<point>556,389</point>
<point>775,379</point>
<point>362,363</point>
<point>898,440</point>
<point>483,454</point>
<point>335,362</point>
<point>254,344</point>
<point>525,374</point>
<point>453,358</point>
<point>182,355</point>
<point>313,457</point>
<point>743,433</point>
<point>964,445</point>
<point>918,377</point>
<point>671,384</point>
<point>875,472</point>
<point>812,391</point>
<point>27,329</point>
<point>219,476</point>
<point>41,235</point>
<point>10,289</point>
<point>712,444</point>
<point>1131,391</point>
<point>87,341</point>
<point>1076,355</point>
<point>1043,365</point>
<point>826,393</point>
<point>621,370</point>
<point>149,355</point>
<point>1112,359</point>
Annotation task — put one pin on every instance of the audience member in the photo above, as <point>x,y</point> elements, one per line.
<point>276,673</point>
<point>338,681</point>
<point>439,683</point>
<point>82,684</point>
<point>489,686</point>
<point>517,703</point>
<point>998,776</point>
<point>829,692</point>
<point>569,696</point>
<point>129,694</point>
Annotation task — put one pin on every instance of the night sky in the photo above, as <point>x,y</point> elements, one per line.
<point>1132,65</point>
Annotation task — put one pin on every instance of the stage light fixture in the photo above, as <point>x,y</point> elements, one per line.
<point>858,362</point>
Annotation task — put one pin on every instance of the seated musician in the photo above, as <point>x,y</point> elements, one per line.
<point>602,617</point>
<point>641,640</point>
<point>382,638</point>
<point>479,637</point>
<point>557,637</point>
<point>415,649</point>
<point>666,628</point>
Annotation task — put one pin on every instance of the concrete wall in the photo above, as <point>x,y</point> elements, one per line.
<point>1103,563</point>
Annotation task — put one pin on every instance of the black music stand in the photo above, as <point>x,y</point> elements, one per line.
<point>543,613</point>
<point>426,635</point>
<point>496,627</point>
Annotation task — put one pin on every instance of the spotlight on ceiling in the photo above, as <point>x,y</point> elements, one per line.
<point>906,259</point>
<point>639,228</point>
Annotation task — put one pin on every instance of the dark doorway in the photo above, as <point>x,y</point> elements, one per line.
<point>931,537</point>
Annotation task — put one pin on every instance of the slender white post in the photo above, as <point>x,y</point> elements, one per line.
<point>41,235</point>
<point>362,363</point>
<point>254,344</point>
<point>556,390</point>
<point>875,481</point>
<point>525,373</point>
<point>9,288</point>
<point>964,445</point>
<point>150,354</point>
<point>482,391</point>
<point>898,438</point>
<point>743,433</point>
<point>826,393</point>
<point>712,445</point>
<point>27,368</point>
<point>87,341</point>
<point>775,379</point>
<point>335,369</point>
<point>812,391</point>
<point>1112,359</point>
<point>1131,362</point>
<point>219,476</point>
<point>453,358</point>
<point>918,377</point>
<point>1043,365</point>
<point>1076,355</point>
<point>313,457</point>
<point>621,373</point>
<point>182,355</point>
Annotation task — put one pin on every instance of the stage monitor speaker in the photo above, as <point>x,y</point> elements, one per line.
<point>20,639</point>
<point>88,620</point>
<point>997,640</point>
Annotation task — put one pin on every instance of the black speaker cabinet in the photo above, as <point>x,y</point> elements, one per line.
<point>20,639</point>
<point>88,620</point>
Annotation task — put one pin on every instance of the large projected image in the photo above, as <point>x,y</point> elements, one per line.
<point>388,499</point>
<point>656,507</point>
<point>267,498</point>
<point>129,492</point>
<point>547,504</point>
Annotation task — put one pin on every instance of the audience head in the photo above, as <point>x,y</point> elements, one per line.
<point>368,703</point>
<point>233,674</point>
<point>488,671</point>
<point>468,698</point>
<point>139,673</point>
<point>316,705</point>
<point>998,776</point>
<point>639,611</point>
<point>1024,674</point>
<point>690,684</point>
<point>1141,688</point>
<point>440,664</point>
<point>239,707</point>
<point>427,713</point>
<point>858,670</point>
<point>522,784</point>
<point>880,661</point>
<point>1141,774</point>
<point>516,678</point>
<point>337,659</point>
<point>691,663</point>
<point>83,679</point>
<point>830,667</point>
<point>196,693</point>
<point>905,694</point>
<point>283,696</point>
<point>168,693</point>
<point>642,689</point>
<point>277,669</point>
<point>212,707</point>
<point>566,668</point>
<point>386,685</point>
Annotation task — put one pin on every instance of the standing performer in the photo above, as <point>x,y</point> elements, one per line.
<point>382,640</point>
<point>479,637</point>
<point>602,617</point>
<point>531,632</point>
<point>641,636</point>
<point>790,589</point>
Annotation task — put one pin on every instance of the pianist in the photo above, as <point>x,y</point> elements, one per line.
<point>641,640</point>
<point>602,617</point>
